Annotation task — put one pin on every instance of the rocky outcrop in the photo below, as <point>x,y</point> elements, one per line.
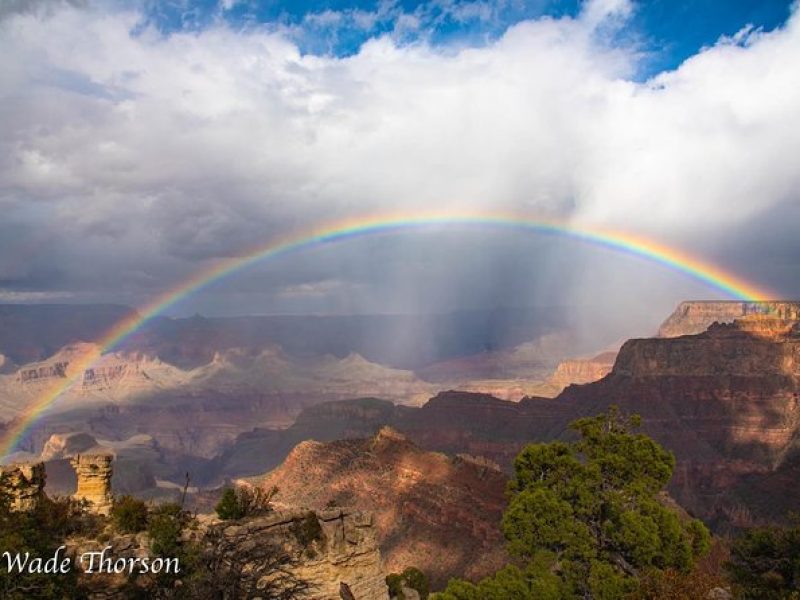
<point>56,370</point>
<point>696,316</point>
<point>24,483</point>
<point>582,370</point>
<point>434,512</point>
<point>64,445</point>
<point>94,473</point>
<point>343,554</point>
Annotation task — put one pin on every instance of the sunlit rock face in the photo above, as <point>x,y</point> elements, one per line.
<point>724,401</point>
<point>24,484</point>
<point>582,370</point>
<point>696,316</point>
<point>345,555</point>
<point>94,473</point>
<point>438,513</point>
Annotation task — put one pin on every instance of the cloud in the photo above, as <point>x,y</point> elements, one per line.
<point>9,8</point>
<point>141,155</point>
<point>25,297</point>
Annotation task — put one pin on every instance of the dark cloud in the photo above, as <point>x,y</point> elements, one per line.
<point>131,158</point>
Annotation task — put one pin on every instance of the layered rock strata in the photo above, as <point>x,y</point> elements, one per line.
<point>345,555</point>
<point>694,317</point>
<point>581,370</point>
<point>94,473</point>
<point>438,513</point>
<point>24,483</point>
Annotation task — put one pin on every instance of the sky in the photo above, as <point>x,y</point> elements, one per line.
<point>141,141</point>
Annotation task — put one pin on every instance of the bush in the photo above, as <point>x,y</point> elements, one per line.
<point>40,532</point>
<point>412,578</point>
<point>165,526</point>
<point>240,502</point>
<point>765,563</point>
<point>129,514</point>
<point>229,508</point>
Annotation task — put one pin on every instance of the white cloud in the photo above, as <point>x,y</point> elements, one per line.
<point>16,296</point>
<point>199,144</point>
<point>596,12</point>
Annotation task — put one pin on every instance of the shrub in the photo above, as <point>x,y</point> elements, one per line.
<point>129,514</point>
<point>765,563</point>
<point>240,502</point>
<point>412,578</point>
<point>229,508</point>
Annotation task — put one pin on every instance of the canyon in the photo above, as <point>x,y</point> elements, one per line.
<point>426,453</point>
<point>725,401</point>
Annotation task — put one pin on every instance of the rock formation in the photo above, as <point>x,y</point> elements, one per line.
<point>581,370</point>
<point>64,445</point>
<point>56,370</point>
<point>24,482</point>
<point>696,316</point>
<point>725,401</point>
<point>94,473</point>
<point>345,553</point>
<point>434,512</point>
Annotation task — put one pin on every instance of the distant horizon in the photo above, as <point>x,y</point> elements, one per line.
<point>375,314</point>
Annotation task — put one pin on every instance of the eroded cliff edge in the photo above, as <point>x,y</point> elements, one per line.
<point>695,316</point>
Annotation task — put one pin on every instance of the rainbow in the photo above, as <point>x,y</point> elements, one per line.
<point>615,240</point>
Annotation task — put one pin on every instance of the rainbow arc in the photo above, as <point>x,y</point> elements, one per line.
<point>671,258</point>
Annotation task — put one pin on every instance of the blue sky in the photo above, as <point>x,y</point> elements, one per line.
<point>666,32</point>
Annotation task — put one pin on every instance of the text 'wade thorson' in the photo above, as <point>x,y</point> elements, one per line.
<point>90,562</point>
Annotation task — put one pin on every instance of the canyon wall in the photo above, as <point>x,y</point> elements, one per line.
<point>726,402</point>
<point>580,371</point>
<point>693,317</point>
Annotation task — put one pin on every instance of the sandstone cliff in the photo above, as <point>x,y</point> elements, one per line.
<point>579,371</point>
<point>696,316</point>
<point>346,552</point>
<point>726,402</point>
<point>434,512</point>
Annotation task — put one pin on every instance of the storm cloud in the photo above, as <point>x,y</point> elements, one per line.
<point>130,157</point>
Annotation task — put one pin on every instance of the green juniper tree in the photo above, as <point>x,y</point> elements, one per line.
<point>584,519</point>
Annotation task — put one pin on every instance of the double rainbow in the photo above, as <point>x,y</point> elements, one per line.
<point>672,258</point>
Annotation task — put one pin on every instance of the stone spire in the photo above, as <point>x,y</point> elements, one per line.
<point>94,480</point>
<point>24,483</point>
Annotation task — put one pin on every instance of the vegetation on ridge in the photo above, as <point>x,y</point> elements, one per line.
<point>584,518</point>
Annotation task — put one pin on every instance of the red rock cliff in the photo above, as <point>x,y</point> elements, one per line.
<point>696,316</point>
